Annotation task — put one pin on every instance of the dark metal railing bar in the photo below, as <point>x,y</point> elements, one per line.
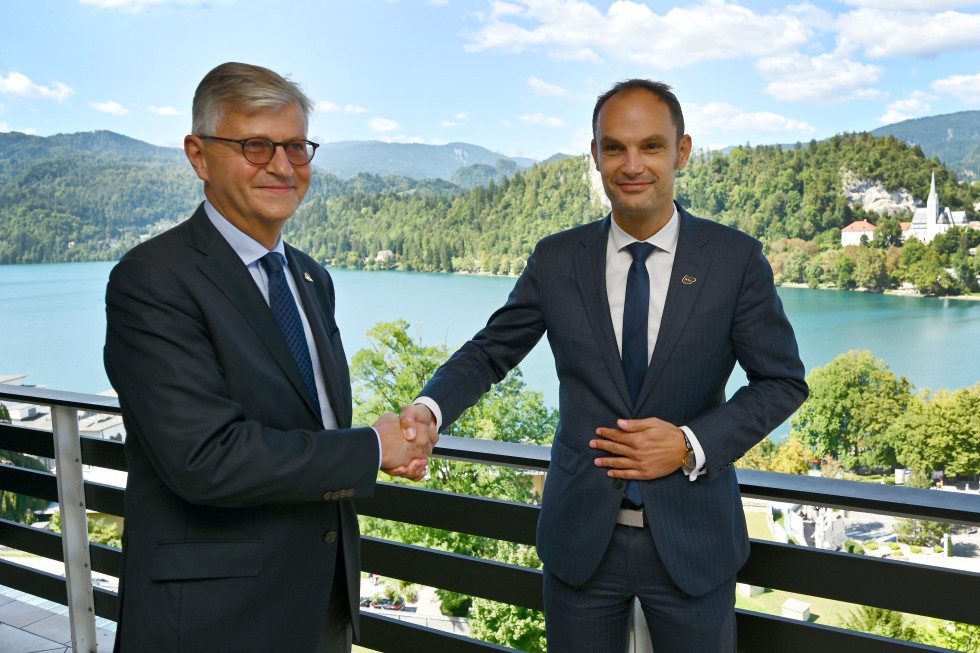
<point>386,634</point>
<point>98,452</point>
<point>496,581</point>
<point>34,581</point>
<point>763,633</point>
<point>80,400</point>
<point>106,559</point>
<point>19,480</point>
<point>23,439</point>
<point>105,498</point>
<point>869,581</point>
<point>491,452</point>
<point>896,501</point>
<point>462,513</point>
<point>31,540</point>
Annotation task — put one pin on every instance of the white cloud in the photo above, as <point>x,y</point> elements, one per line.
<point>109,107</point>
<point>457,118</point>
<point>911,5</point>
<point>5,129</point>
<point>962,87</point>
<point>541,119</point>
<point>20,84</point>
<point>383,125</point>
<point>353,108</point>
<point>723,117</point>
<point>462,115</point>
<point>632,32</point>
<point>824,79</point>
<point>449,123</point>
<point>164,111</point>
<point>912,33</point>
<point>324,106</point>
<point>913,107</point>
<point>544,88</point>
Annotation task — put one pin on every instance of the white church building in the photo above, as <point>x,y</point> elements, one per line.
<point>927,222</point>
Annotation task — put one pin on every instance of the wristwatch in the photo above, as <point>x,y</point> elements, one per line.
<point>690,459</point>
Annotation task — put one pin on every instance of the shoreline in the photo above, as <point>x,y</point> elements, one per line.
<point>887,291</point>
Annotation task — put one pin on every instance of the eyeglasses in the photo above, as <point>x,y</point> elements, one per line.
<point>259,151</point>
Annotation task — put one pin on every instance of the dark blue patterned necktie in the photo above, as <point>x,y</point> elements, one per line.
<point>287,316</point>
<point>636,314</point>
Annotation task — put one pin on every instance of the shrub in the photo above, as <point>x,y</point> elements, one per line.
<point>893,546</point>
<point>853,547</point>
<point>915,549</point>
<point>871,546</point>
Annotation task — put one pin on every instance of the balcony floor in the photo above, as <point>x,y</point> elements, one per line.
<point>29,624</point>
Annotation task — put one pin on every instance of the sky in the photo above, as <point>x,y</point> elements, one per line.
<point>519,77</point>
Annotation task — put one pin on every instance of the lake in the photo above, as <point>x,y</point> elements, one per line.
<point>52,324</point>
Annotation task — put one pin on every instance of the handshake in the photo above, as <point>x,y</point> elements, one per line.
<point>407,441</point>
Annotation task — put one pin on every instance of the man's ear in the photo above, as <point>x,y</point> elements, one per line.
<point>194,149</point>
<point>595,155</point>
<point>684,151</point>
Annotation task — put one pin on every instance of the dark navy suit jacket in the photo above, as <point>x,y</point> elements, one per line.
<point>721,308</point>
<point>238,501</point>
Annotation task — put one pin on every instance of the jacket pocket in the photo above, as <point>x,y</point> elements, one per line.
<point>565,457</point>
<point>201,559</point>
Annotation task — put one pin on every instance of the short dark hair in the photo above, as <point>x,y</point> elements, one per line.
<point>659,89</point>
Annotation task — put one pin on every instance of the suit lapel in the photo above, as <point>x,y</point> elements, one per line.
<point>321,324</point>
<point>222,266</point>
<point>687,278</point>
<point>590,276</point>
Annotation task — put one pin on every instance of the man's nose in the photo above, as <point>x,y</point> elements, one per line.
<point>279,164</point>
<point>632,165</point>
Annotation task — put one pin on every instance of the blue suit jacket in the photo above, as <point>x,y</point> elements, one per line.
<point>721,308</point>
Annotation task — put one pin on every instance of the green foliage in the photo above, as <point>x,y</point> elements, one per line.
<point>388,375</point>
<point>4,415</point>
<point>99,531</point>
<point>790,457</point>
<point>921,533</point>
<point>939,432</point>
<point>878,621</point>
<point>853,400</point>
<point>851,546</point>
<point>952,635</point>
<point>19,507</point>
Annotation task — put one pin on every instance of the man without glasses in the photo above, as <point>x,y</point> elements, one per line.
<point>646,311</point>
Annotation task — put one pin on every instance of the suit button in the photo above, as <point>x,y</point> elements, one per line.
<point>330,537</point>
<point>618,483</point>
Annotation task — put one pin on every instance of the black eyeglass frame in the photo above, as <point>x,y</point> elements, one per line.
<point>241,142</point>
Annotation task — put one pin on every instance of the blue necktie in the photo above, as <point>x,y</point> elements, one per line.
<point>636,313</point>
<point>287,317</point>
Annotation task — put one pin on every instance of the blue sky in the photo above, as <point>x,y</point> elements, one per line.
<point>516,76</point>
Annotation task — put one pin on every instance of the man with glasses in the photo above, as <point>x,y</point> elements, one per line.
<point>221,342</point>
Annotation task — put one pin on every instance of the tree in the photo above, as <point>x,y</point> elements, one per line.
<point>869,272</point>
<point>99,531</point>
<point>19,507</point>
<point>878,621</point>
<point>952,635</point>
<point>921,533</point>
<point>389,375</point>
<point>852,401</point>
<point>940,432</point>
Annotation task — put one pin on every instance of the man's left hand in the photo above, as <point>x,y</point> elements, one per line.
<point>642,449</point>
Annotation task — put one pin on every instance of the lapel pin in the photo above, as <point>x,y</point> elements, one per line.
<point>687,280</point>
<point>306,275</point>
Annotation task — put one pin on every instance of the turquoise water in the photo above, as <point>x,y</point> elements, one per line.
<point>52,324</point>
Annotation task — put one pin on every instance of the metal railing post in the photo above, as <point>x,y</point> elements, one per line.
<point>639,633</point>
<point>74,528</point>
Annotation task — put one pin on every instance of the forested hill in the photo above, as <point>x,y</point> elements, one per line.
<point>772,192</point>
<point>954,138</point>
<point>91,197</point>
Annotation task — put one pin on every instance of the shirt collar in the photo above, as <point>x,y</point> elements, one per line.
<point>665,239</point>
<point>247,248</point>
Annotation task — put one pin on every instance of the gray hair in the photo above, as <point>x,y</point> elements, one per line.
<point>242,87</point>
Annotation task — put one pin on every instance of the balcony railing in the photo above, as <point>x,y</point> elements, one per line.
<point>895,585</point>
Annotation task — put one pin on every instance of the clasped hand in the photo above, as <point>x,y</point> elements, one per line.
<point>407,441</point>
<point>642,449</point>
